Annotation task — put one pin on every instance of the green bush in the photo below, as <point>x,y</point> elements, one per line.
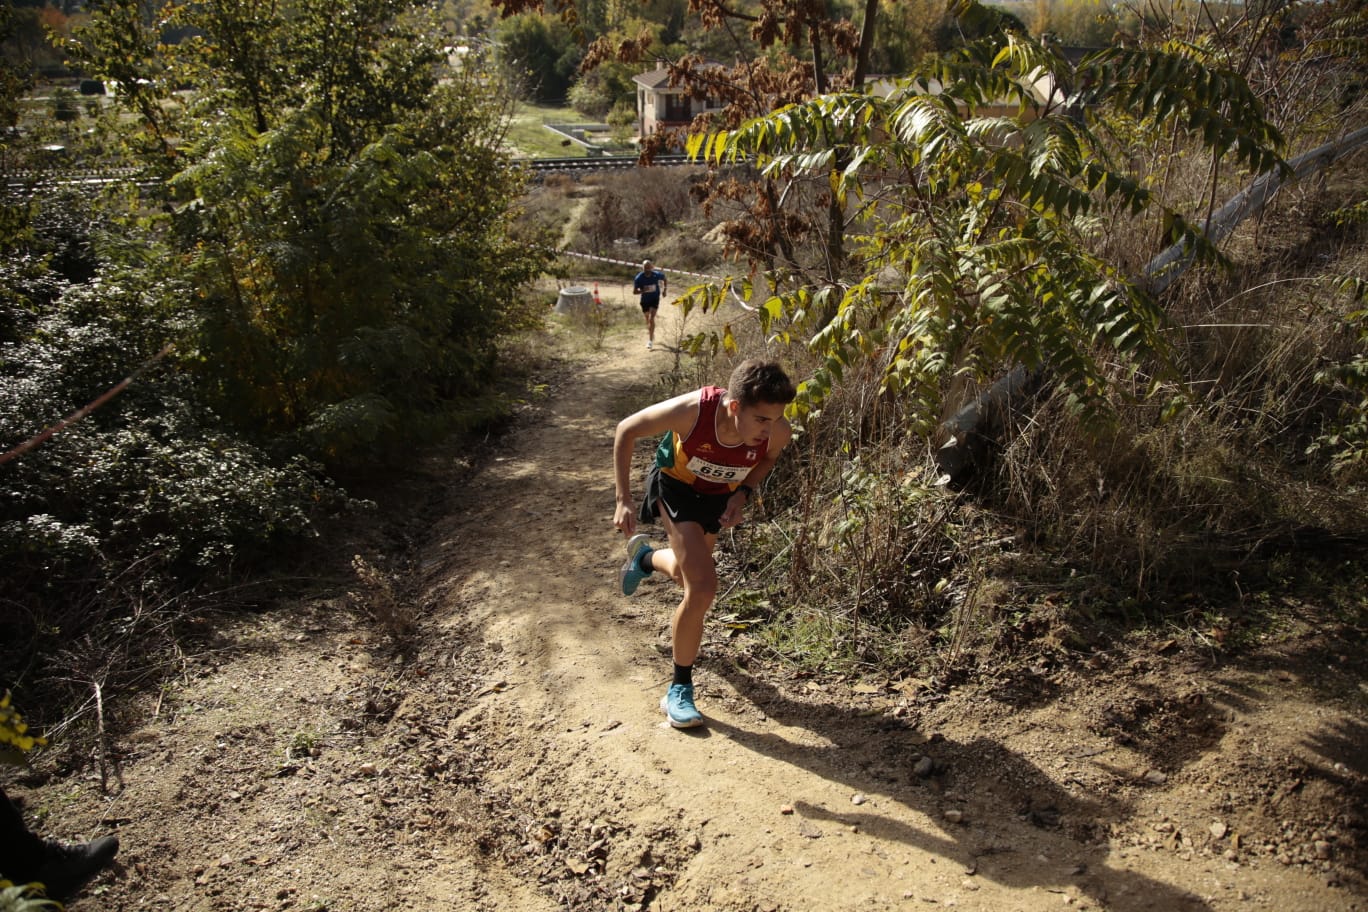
<point>150,480</point>
<point>23,898</point>
<point>347,304</point>
<point>327,277</point>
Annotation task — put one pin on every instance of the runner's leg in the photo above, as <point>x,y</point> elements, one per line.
<point>21,850</point>
<point>689,561</point>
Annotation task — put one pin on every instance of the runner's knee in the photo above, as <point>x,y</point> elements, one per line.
<point>700,583</point>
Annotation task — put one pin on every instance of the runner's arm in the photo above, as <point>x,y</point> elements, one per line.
<point>779,439</point>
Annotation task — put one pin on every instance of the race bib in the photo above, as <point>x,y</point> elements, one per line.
<point>722,474</point>
<point>648,289</point>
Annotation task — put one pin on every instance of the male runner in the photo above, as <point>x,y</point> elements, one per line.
<point>650,284</point>
<point>718,447</point>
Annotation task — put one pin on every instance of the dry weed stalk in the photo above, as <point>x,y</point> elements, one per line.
<point>377,598</point>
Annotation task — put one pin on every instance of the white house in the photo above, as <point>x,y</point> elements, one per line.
<point>660,106</point>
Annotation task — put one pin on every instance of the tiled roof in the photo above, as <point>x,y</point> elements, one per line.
<point>659,78</point>
<point>655,79</point>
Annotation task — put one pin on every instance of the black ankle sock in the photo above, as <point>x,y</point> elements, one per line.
<point>683,674</point>
<point>645,562</point>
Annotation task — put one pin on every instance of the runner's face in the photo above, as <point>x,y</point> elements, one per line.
<point>755,423</point>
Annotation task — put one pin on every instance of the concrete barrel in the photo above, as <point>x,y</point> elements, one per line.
<point>575,299</point>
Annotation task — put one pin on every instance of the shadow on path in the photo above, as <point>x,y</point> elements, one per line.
<point>1020,842</point>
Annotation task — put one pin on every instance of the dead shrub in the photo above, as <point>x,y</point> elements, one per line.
<point>686,251</point>
<point>1162,505</point>
<point>376,596</point>
<point>869,553</point>
<point>638,203</point>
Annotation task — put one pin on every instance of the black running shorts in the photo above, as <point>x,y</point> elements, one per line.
<point>681,502</point>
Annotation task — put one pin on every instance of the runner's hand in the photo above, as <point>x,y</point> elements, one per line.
<point>624,517</point>
<point>735,512</point>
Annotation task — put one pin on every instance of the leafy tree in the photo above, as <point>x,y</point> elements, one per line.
<point>13,79</point>
<point>23,42</point>
<point>242,49</point>
<point>670,16</point>
<point>1082,23</point>
<point>354,298</point>
<point>327,274</point>
<point>120,45</point>
<point>540,54</point>
<point>348,236</point>
<point>13,215</point>
<point>975,228</point>
<point>610,82</point>
<point>907,30</point>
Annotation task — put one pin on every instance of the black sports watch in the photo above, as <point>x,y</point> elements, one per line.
<point>748,489</point>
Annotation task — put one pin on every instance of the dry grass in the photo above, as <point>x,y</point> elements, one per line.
<point>640,205</point>
<point>1159,507</point>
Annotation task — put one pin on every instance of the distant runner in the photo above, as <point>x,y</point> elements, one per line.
<point>650,284</point>
<point>719,445</point>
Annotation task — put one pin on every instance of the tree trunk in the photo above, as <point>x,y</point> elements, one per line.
<point>1164,269</point>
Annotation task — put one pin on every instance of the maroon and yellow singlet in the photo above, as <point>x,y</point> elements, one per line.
<point>700,459</point>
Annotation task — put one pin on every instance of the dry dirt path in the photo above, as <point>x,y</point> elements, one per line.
<point>517,759</point>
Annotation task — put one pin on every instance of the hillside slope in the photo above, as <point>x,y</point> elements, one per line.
<point>515,759</point>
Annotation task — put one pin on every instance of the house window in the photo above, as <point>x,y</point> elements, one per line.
<point>677,107</point>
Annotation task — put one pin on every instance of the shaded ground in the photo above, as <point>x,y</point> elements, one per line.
<point>515,758</point>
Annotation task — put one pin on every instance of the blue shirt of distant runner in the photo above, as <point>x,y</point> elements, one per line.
<point>647,284</point>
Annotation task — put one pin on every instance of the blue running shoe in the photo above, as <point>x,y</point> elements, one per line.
<point>631,574</point>
<point>679,706</point>
<point>637,543</point>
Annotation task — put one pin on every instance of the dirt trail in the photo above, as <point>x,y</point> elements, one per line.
<point>518,759</point>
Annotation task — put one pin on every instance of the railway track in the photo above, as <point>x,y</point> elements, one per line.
<point>35,182</point>
<point>582,165</point>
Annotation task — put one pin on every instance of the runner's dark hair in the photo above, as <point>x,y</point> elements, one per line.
<point>755,381</point>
